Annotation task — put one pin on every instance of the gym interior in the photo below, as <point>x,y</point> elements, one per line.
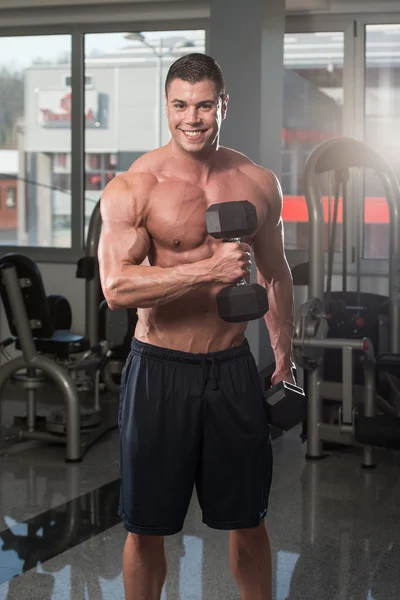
<point>313,97</point>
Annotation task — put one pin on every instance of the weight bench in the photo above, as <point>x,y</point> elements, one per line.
<point>51,354</point>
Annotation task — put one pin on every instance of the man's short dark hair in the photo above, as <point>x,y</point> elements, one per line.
<point>196,67</point>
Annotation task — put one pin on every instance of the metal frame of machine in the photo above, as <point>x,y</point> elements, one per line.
<point>310,341</point>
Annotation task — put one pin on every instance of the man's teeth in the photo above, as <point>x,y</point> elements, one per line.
<point>193,133</point>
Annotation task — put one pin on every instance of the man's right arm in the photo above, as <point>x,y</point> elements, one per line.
<point>123,246</point>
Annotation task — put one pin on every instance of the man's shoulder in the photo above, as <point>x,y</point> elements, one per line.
<point>127,195</point>
<point>134,183</point>
<point>233,158</point>
<point>265,178</point>
<point>264,181</point>
<point>148,163</point>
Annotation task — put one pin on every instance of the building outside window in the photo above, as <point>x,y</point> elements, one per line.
<point>124,118</point>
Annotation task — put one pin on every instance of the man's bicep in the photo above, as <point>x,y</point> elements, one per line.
<point>122,245</point>
<point>268,244</point>
<point>269,253</point>
<point>124,240</point>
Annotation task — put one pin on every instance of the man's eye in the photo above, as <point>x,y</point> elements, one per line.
<point>178,105</point>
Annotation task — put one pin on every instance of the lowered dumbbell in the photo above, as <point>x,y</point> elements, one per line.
<point>230,221</point>
<point>286,405</point>
<point>286,402</point>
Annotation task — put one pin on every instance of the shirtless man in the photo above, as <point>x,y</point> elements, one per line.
<point>191,407</point>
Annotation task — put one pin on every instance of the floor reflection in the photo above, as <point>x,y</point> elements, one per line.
<point>24,546</point>
<point>350,548</point>
<point>335,534</point>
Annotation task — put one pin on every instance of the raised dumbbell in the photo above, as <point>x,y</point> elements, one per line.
<point>230,221</point>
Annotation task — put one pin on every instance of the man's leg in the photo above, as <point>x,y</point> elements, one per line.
<point>237,463</point>
<point>144,567</point>
<point>160,441</point>
<point>250,562</point>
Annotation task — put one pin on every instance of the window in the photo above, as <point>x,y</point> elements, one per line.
<point>35,128</point>
<point>8,207</point>
<point>121,123</point>
<point>62,181</point>
<point>312,113</point>
<point>11,195</point>
<point>382,127</point>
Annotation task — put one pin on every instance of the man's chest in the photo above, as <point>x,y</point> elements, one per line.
<point>177,209</point>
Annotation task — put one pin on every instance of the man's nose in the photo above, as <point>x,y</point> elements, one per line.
<point>192,115</point>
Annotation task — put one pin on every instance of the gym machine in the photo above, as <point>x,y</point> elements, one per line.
<point>52,354</point>
<point>358,354</point>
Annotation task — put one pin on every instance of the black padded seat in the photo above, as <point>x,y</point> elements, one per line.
<point>41,313</point>
<point>388,362</point>
<point>301,274</point>
<point>62,343</point>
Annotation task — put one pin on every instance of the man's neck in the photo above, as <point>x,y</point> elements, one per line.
<point>196,167</point>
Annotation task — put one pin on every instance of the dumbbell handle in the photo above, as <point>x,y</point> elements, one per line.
<point>238,240</point>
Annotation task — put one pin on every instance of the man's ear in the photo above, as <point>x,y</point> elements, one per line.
<point>225,101</point>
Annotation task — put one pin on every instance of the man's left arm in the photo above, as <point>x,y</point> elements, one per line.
<point>274,274</point>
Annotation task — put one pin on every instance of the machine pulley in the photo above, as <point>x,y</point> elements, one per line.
<point>310,323</point>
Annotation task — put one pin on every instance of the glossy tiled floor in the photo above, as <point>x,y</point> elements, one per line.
<point>335,530</point>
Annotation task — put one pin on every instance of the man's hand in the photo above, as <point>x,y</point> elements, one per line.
<point>231,262</point>
<point>286,375</point>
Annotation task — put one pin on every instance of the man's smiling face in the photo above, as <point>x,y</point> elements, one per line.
<point>195,112</point>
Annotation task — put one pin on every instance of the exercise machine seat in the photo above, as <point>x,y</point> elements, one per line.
<point>61,343</point>
<point>388,362</point>
<point>47,339</point>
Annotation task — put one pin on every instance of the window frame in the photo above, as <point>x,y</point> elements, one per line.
<point>67,86</point>
<point>328,24</point>
<point>77,31</point>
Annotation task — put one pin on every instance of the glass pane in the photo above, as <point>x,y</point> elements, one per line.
<point>312,113</point>
<point>382,128</point>
<point>35,128</point>
<point>125,100</point>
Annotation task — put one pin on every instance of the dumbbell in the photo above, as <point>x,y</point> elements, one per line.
<point>230,221</point>
<point>286,402</point>
<point>286,405</point>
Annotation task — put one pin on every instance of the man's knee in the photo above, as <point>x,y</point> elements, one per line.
<point>145,542</point>
<point>249,538</point>
<point>251,531</point>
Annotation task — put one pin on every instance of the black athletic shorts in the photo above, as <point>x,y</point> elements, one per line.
<point>192,419</point>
